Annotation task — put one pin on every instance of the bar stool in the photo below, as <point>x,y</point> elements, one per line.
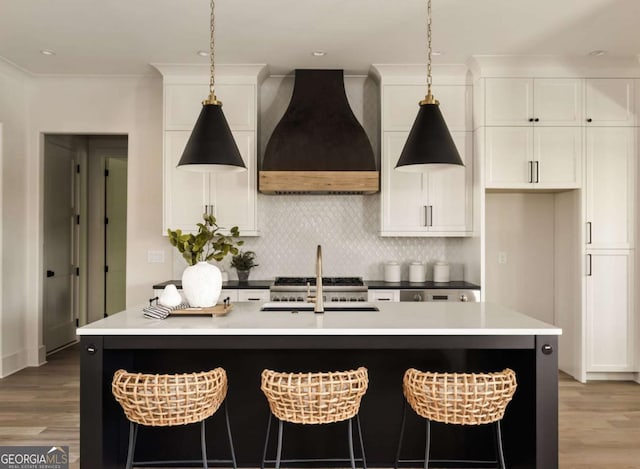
<point>458,399</point>
<point>315,399</point>
<point>170,400</point>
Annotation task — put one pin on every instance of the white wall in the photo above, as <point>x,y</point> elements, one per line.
<point>14,187</point>
<point>100,105</point>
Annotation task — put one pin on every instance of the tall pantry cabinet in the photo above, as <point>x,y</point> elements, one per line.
<point>550,136</point>
<point>230,197</point>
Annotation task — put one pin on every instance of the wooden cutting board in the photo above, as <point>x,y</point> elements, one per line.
<point>217,310</point>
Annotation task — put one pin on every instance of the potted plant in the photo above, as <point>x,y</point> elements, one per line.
<point>243,262</point>
<point>201,281</point>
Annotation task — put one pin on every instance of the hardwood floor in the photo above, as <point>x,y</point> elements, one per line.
<point>599,422</point>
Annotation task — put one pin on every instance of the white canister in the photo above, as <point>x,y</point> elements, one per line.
<point>416,272</point>
<point>392,271</point>
<point>441,272</point>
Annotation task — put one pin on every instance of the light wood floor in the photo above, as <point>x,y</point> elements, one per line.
<point>599,422</point>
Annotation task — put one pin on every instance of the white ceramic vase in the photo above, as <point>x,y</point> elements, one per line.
<point>201,284</point>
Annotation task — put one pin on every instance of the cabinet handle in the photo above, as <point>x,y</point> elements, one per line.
<point>589,232</point>
<point>589,266</point>
<point>531,172</point>
<point>530,119</point>
<point>213,209</point>
<point>537,171</point>
<point>589,119</point>
<point>430,215</point>
<point>426,215</point>
<point>536,120</point>
<point>206,210</point>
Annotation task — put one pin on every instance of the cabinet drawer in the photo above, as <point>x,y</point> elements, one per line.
<point>253,295</point>
<point>383,295</point>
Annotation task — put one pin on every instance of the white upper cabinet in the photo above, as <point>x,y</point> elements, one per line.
<point>436,203</point>
<point>181,105</point>
<point>533,101</point>
<point>230,197</point>
<point>610,187</point>
<point>609,102</point>
<point>401,103</point>
<point>533,158</point>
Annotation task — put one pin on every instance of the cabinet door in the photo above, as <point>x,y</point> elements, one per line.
<point>509,157</point>
<point>609,102</point>
<point>609,190</point>
<point>184,102</point>
<point>508,101</point>
<point>449,190</point>
<point>402,202</point>
<point>558,101</point>
<point>558,157</point>
<point>609,311</point>
<point>185,193</point>
<point>401,104</point>
<point>233,195</point>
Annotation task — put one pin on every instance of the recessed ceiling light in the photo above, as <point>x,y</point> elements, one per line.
<point>47,52</point>
<point>318,53</point>
<point>203,53</point>
<point>597,53</point>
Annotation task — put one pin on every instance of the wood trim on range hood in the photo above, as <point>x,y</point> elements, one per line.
<point>319,182</point>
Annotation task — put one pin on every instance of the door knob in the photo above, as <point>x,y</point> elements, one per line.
<point>50,273</point>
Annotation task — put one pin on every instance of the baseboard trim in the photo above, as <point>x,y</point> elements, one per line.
<point>13,363</point>
<point>613,376</point>
<point>37,356</point>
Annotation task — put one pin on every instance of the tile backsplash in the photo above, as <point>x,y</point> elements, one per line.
<point>346,226</point>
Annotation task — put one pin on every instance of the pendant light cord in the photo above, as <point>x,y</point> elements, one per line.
<point>212,50</point>
<point>429,99</point>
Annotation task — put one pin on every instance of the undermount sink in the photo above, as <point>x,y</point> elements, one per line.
<point>328,306</point>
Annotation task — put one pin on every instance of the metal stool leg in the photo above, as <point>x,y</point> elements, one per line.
<point>133,436</point>
<point>279,450</point>
<point>364,459</point>
<point>203,444</point>
<point>404,418</point>
<point>501,463</point>
<point>427,444</point>
<point>351,455</point>
<point>233,453</point>
<point>266,441</point>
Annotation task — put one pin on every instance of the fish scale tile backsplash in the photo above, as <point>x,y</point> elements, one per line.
<point>346,226</point>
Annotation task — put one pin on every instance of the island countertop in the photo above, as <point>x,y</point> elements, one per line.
<point>391,319</point>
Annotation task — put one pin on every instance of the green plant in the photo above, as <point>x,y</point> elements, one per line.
<point>207,244</point>
<point>244,260</point>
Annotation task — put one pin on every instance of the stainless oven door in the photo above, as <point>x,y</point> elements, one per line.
<point>440,295</point>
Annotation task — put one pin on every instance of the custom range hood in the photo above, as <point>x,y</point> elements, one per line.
<point>319,147</point>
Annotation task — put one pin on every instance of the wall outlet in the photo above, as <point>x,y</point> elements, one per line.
<point>502,257</point>
<point>155,257</point>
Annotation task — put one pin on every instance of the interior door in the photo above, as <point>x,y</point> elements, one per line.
<point>59,228</point>
<point>115,235</point>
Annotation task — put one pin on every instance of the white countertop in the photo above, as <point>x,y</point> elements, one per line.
<point>435,318</point>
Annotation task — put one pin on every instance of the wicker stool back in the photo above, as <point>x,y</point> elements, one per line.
<point>315,398</point>
<point>459,398</point>
<point>167,400</point>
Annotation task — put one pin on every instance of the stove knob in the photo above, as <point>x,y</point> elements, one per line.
<point>417,297</point>
<point>342,298</point>
<point>299,299</point>
<point>352,299</point>
<point>360,299</point>
<point>292,298</point>
<point>334,298</point>
<point>275,298</point>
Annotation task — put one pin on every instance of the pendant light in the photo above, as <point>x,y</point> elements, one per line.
<point>211,147</point>
<point>429,144</point>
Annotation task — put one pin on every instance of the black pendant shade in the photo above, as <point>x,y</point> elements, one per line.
<point>429,143</point>
<point>211,147</point>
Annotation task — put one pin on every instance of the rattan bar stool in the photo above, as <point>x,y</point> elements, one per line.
<point>315,399</point>
<point>170,400</point>
<point>458,399</point>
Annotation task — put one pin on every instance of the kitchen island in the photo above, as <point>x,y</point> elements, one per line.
<point>461,337</point>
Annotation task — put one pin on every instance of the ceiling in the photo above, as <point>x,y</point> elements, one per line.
<point>125,36</point>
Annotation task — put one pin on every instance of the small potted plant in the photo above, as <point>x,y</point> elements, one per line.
<point>201,281</point>
<point>243,262</point>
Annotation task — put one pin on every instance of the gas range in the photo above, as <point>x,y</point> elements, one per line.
<point>335,289</point>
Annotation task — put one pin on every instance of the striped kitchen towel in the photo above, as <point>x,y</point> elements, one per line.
<point>161,312</point>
